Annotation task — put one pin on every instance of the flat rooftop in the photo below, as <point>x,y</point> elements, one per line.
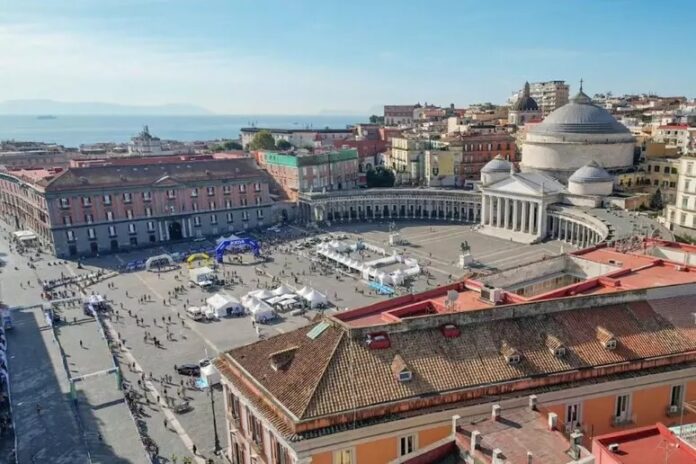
<point>647,265</point>
<point>655,444</point>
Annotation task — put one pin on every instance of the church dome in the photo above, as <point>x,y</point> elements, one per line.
<point>497,164</point>
<point>580,116</point>
<point>591,172</point>
<point>525,104</point>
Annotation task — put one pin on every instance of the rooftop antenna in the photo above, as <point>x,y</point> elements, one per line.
<point>581,81</point>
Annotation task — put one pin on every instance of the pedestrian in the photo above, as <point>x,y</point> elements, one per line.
<point>81,344</point>
<point>195,450</point>
<point>165,423</point>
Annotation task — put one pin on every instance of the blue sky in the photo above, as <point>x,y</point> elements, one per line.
<point>307,56</point>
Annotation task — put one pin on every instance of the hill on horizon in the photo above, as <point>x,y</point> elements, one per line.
<point>59,108</point>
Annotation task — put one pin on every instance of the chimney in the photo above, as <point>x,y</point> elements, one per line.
<point>532,402</point>
<point>495,412</point>
<point>455,419</point>
<point>553,420</point>
<point>530,457</point>
<point>475,437</point>
<point>498,456</point>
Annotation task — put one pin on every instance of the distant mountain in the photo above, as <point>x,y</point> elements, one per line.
<point>52,107</point>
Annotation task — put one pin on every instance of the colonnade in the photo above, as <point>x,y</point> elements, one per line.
<point>572,231</point>
<point>524,216</point>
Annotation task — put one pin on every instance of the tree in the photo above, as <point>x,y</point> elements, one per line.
<point>380,177</point>
<point>263,140</point>
<point>374,119</point>
<point>283,145</point>
<point>227,145</point>
<point>656,200</point>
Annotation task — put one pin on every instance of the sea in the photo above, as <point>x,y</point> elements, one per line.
<point>73,131</point>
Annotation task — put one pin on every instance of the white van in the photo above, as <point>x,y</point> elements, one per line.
<point>195,313</point>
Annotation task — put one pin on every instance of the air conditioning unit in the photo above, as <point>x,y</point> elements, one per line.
<point>673,409</point>
<point>614,447</point>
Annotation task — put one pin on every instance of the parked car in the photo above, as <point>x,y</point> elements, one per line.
<point>189,369</point>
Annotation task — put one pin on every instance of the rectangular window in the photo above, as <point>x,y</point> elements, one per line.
<point>622,410</point>
<point>258,200</point>
<point>67,220</point>
<point>148,211</point>
<point>657,168</point>
<point>89,219</point>
<point>109,216</point>
<point>242,188</point>
<point>150,226</point>
<point>685,202</point>
<point>344,456</point>
<point>572,417</point>
<point>257,187</point>
<point>91,234</point>
<point>213,218</point>
<point>127,197</point>
<point>243,201</point>
<point>407,445</point>
<point>687,185</point>
<point>676,396</point>
<point>245,215</point>
<point>129,213</point>
<point>71,235</point>
<point>171,194</point>
<point>228,203</point>
<point>259,213</point>
<point>211,205</point>
<point>226,189</point>
<point>107,199</point>
<point>196,221</point>
<point>65,202</point>
<point>194,192</point>
<point>211,191</point>
<point>147,196</point>
<point>230,217</point>
<point>86,201</point>
<point>112,231</point>
<point>131,228</point>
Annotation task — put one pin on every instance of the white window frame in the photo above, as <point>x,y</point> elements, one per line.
<point>89,218</point>
<point>109,215</point>
<point>107,199</point>
<point>213,219</point>
<point>112,232</point>
<point>211,205</point>
<point>625,414</point>
<point>340,455</point>
<point>210,191</point>
<point>86,201</point>
<point>682,395</point>
<point>147,196</point>
<point>171,194</point>
<point>70,234</point>
<point>65,202</point>
<point>242,188</point>
<point>196,221</point>
<point>573,409</point>
<point>400,448</point>
<point>226,189</point>
<point>91,233</point>
<point>150,226</point>
<point>67,220</point>
<point>194,192</point>
<point>132,229</point>
<point>230,218</point>
<point>259,213</point>
<point>129,214</point>
<point>127,197</point>
<point>148,211</point>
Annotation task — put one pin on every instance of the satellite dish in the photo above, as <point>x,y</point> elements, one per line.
<point>452,296</point>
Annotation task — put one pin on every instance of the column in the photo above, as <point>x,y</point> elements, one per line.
<point>532,225</point>
<point>515,211</point>
<point>499,212</point>
<point>523,217</point>
<point>540,219</point>
<point>506,213</point>
<point>161,232</point>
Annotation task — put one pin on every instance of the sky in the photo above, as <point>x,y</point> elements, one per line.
<point>350,57</point>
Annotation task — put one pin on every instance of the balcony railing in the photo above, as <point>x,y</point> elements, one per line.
<point>622,421</point>
<point>673,410</point>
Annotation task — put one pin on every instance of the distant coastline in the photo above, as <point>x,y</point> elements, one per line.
<point>74,130</point>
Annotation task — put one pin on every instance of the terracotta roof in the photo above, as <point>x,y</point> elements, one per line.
<point>84,178</point>
<point>337,372</point>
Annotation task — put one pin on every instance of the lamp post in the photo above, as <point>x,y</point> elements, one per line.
<point>212,406</point>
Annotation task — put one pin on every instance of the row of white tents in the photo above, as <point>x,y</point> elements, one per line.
<point>262,303</point>
<point>370,269</point>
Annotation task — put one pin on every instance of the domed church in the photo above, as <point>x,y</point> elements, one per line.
<point>525,109</point>
<point>566,170</point>
<point>572,136</point>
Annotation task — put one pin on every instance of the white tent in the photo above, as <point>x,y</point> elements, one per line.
<point>315,299</point>
<point>283,290</point>
<point>262,312</point>
<point>303,291</point>
<point>262,294</point>
<point>223,304</point>
<point>24,235</point>
<point>210,374</point>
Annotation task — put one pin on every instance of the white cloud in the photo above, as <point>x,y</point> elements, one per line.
<point>36,62</point>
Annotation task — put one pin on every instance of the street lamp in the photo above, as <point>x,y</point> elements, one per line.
<point>218,448</point>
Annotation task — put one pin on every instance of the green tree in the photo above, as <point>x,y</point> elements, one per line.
<point>283,145</point>
<point>656,200</point>
<point>374,119</point>
<point>227,145</point>
<point>380,177</point>
<point>263,140</point>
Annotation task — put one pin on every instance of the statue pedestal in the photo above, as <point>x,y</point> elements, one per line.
<point>465,259</point>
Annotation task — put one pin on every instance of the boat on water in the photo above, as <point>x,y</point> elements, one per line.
<point>46,116</point>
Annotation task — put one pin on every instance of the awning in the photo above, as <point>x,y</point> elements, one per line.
<point>24,235</point>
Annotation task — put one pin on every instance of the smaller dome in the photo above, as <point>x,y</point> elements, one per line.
<point>525,104</point>
<point>591,172</point>
<point>497,164</point>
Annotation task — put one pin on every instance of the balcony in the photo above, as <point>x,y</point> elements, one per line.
<point>622,421</point>
<point>673,410</point>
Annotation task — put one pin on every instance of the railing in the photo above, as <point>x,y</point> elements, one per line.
<point>673,410</point>
<point>622,421</point>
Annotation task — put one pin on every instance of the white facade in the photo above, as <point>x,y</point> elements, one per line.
<point>683,212</point>
<point>145,144</point>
